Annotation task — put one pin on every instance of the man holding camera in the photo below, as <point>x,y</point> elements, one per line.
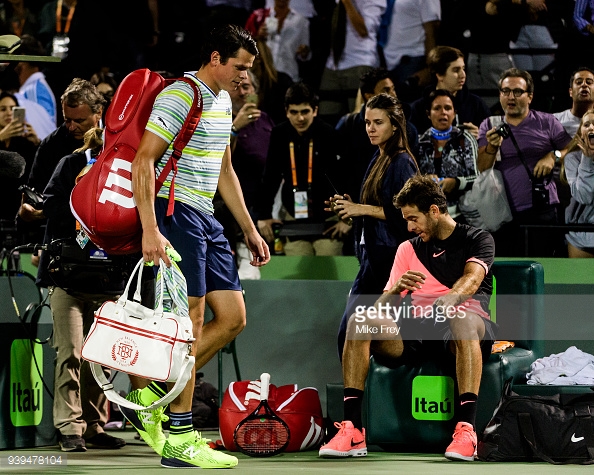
<point>524,148</point>
<point>82,109</point>
<point>79,278</point>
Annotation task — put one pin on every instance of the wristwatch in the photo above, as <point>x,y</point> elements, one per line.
<point>557,154</point>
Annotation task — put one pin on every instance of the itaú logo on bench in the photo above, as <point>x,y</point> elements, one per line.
<point>26,384</point>
<point>433,398</point>
<point>114,181</point>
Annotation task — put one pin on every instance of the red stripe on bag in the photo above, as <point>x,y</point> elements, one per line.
<point>145,333</point>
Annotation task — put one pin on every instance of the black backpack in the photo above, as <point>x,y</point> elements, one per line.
<point>558,429</point>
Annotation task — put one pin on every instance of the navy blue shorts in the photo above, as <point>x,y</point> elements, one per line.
<point>207,261</point>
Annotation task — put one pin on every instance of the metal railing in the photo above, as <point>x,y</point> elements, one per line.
<point>557,228</point>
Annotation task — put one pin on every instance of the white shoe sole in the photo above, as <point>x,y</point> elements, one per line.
<point>349,453</point>
<point>459,457</point>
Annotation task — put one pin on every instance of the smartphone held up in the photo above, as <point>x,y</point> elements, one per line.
<point>18,114</point>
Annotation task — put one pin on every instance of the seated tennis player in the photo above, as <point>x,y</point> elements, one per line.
<point>434,304</point>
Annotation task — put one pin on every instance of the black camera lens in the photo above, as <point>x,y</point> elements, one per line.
<point>32,197</point>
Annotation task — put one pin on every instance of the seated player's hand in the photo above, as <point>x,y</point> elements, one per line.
<point>411,280</point>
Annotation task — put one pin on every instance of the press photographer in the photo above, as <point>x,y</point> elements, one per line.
<point>525,148</point>
<point>79,278</point>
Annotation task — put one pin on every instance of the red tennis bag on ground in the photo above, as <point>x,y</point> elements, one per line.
<point>299,408</point>
<point>102,200</point>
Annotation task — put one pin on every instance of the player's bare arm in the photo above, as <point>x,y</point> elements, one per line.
<point>465,287</point>
<point>150,149</point>
<point>230,191</point>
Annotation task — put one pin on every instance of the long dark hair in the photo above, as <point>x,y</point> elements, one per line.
<point>396,144</point>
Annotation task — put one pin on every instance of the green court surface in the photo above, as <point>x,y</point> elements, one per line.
<point>137,458</point>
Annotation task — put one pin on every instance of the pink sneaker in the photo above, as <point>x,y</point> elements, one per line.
<point>463,447</point>
<point>348,442</point>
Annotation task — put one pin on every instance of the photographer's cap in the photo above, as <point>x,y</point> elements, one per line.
<point>9,43</point>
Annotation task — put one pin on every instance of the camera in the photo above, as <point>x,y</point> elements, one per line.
<point>503,130</point>
<point>87,269</point>
<point>33,197</point>
<point>540,196</point>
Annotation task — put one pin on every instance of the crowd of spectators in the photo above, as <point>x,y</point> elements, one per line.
<point>336,49</point>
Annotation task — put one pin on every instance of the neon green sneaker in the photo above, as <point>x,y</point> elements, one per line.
<point>195,453</point>
<point>147,423</point>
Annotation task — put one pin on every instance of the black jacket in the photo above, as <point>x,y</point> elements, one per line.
<point>327,160</point>
<point>56,145</point>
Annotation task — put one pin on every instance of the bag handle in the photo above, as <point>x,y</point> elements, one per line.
<point>171,277</point>
<point>184,376</point>
<point>137,295</point>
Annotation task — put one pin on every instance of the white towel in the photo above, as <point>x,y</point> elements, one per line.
<point>570,367</point>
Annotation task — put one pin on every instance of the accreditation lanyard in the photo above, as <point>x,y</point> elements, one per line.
<point>61,41</point>
<point>81,236</point>
<point>301,198</point>
<point>59,18</point>
<point>294,167</point>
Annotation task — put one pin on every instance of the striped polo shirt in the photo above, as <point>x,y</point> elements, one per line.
<point>200,164</point>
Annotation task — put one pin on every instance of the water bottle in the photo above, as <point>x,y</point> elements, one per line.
<point>278,242</point>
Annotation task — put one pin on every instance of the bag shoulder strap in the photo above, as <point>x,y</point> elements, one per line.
<point>184,376</point>
<point>519,151</point>
<point>527,432</point>
<point>180,142</point>
<point>520,154</point>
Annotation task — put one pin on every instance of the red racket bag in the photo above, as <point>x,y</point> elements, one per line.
<point>299,408</point>
<point>102,200</point>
